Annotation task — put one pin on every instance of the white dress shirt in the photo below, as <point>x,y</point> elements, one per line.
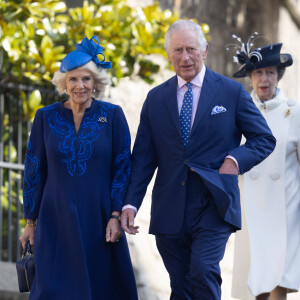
<point>196,88</point>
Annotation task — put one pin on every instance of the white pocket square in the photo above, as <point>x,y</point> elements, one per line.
<point>218,110</point>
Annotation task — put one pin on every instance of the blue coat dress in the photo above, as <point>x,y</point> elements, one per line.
<point>72,183</point>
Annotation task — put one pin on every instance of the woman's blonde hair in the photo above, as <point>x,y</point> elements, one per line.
<point>100,77</point>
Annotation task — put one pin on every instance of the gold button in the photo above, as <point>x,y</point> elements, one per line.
<point>183,183</point>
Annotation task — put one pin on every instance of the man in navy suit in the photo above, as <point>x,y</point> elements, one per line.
<point>190,131</point>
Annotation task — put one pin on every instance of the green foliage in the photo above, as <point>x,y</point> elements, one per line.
<point>26,41</point>
<point>36,35</point>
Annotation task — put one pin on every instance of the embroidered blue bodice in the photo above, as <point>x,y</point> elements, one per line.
<point>76,148</point>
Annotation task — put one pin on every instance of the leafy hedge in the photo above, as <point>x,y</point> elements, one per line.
<point>36,34</point>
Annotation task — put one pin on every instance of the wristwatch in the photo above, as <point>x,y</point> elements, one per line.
<point>115,217</point>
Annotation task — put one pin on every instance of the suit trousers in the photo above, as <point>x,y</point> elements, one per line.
<point>192,256</point>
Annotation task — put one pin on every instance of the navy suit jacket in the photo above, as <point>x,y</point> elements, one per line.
<point>158,145</point>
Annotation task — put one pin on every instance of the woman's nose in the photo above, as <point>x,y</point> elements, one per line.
<point>80,83</point>
<point>264,76</point>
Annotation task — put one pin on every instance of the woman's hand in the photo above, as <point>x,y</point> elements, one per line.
<point>113,230</point>
<point>28,233</point>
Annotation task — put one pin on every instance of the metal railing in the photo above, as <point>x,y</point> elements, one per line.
<point>14,132</point>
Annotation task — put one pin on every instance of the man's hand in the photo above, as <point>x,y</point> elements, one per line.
<point>127,221</point>
<point>229,167</point>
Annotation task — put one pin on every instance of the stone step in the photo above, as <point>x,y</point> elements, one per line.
<point>9,289</point>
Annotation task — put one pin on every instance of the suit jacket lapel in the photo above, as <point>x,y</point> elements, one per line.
<point>208,92</point>
<point>170,96</point>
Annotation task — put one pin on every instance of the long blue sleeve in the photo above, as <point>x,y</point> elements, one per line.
<point>121,159</point>
<point>35,169</point>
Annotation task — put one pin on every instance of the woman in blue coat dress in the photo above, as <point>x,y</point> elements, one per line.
<point>77,167</point>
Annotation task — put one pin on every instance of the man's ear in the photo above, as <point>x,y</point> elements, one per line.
<point>204,54</point>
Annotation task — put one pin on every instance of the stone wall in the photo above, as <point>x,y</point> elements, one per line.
<point>289,35</point>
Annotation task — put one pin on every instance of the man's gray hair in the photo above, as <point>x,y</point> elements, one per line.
<point>186,24</point>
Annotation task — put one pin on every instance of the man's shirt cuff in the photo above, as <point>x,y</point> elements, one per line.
<point>129,206</point>
<point>237,164</point>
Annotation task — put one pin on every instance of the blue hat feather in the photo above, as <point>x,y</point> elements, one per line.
<point>85,51</point>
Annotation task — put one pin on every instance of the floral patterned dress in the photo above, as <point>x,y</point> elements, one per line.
<point>72,183</point>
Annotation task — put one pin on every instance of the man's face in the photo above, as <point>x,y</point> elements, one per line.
<point>185,54</point>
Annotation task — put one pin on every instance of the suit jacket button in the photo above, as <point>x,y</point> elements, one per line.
<point>186,161</point>
<point>183,183</point>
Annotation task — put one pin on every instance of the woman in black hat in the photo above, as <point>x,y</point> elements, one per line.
<point>77,168</point>
<point>267,249</point>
